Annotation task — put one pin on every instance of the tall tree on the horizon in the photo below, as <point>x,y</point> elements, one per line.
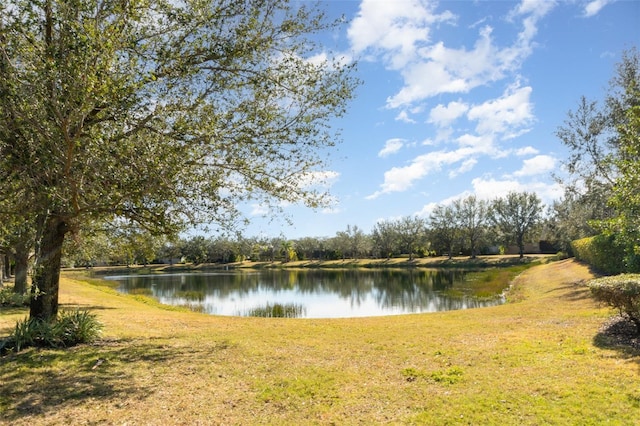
<point>471,215</point>
<point>515,216</point>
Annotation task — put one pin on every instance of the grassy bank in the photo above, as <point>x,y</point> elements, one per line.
<point>538,360</point>
<point>461,262</point>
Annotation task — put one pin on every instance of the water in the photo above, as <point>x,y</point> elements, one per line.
<point>315,293</point>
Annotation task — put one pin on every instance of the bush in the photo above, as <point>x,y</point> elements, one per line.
<point>9,298</point>
<point>69,329</point>
<point>621,292</point>
<point>601,252</point>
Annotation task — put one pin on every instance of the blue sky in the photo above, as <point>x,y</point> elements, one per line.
<point>458,98</point>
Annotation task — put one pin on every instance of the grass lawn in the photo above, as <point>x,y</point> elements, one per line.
<point>540,359</point>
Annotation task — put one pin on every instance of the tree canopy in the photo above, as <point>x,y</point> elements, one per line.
<point>515,215</point>
<point>605,163</point>
<point>163,112</point>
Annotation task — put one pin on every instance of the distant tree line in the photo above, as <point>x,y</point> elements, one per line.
<point>469,226</point>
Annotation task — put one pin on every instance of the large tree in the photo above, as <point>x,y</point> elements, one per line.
<point>471,215</point>
<point>385,238</point>
<point>163,112</point>
<point>411,232</point>
<point>445,228</point>
<point>515,216</point>
<point>626,191</point>
<point>603,163</point>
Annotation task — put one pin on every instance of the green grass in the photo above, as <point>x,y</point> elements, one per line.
<point>540,359</point>
<point>492,281</point>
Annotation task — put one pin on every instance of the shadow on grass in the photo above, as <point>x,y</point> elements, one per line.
<point>84,307</point>
<point>36,382</point>
<point>573,291</point>
<point>620,335</point>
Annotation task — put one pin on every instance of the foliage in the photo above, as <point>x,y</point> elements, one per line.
<point>351,243</point>
<point>601,252</point>
<point>8,297</point>
<point>572,217</point>
<point>69,329</point>
<point>471,214</point>
<point>516,215</point>
<point>163,113</point>
<point>384,239</point>
<point>605,158</point>
<point>626,190</point>
<point>621,292</point>
<point>411,231</point>
<point>445,229</point>
<point>277,310</point>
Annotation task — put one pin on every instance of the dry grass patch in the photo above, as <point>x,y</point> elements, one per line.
<point>533,361</point>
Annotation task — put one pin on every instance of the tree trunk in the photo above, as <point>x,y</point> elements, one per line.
<point>2,277</point>
<point>521,246</point>
<point>46,279</point>
<point>22,268</point>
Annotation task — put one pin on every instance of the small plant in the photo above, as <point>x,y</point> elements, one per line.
<point>69,329</point>
<point>410,374</point>
<point>75,327</point>
<point>278,310</point>
<point>449,376</point>
<point>621,292</point>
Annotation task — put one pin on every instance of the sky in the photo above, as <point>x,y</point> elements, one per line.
<point>457,98</point>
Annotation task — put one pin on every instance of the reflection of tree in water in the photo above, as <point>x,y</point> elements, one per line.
<point>406,290</point>
<point>422,291</point>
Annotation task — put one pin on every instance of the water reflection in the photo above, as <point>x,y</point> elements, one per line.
<point>322,293</point>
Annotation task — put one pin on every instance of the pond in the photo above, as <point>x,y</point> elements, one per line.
<point>313,293</point>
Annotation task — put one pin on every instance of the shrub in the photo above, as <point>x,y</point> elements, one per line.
<point>69,329</point>
<point>601,252</point>
<point>621,292</point>
<point>75,327</point>
<point>9,298</point>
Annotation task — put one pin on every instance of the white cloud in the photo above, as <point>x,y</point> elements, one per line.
<point>427,209</point>
<point>399,179</point>
<point>537,165</point>
<point>325,179</point>
<point>466,166</point>
<point>398,33</point>
<point>533,11</point>
<point>394,29</point>
<point>444,115</point>
<point>391,147</point>
<point>480,144</point>
<point>404,117</point>
<point>527,150</point>
<point>488,189</point>
<point>593,7</point>
<point>439,69</point>
<point>513,110</point>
